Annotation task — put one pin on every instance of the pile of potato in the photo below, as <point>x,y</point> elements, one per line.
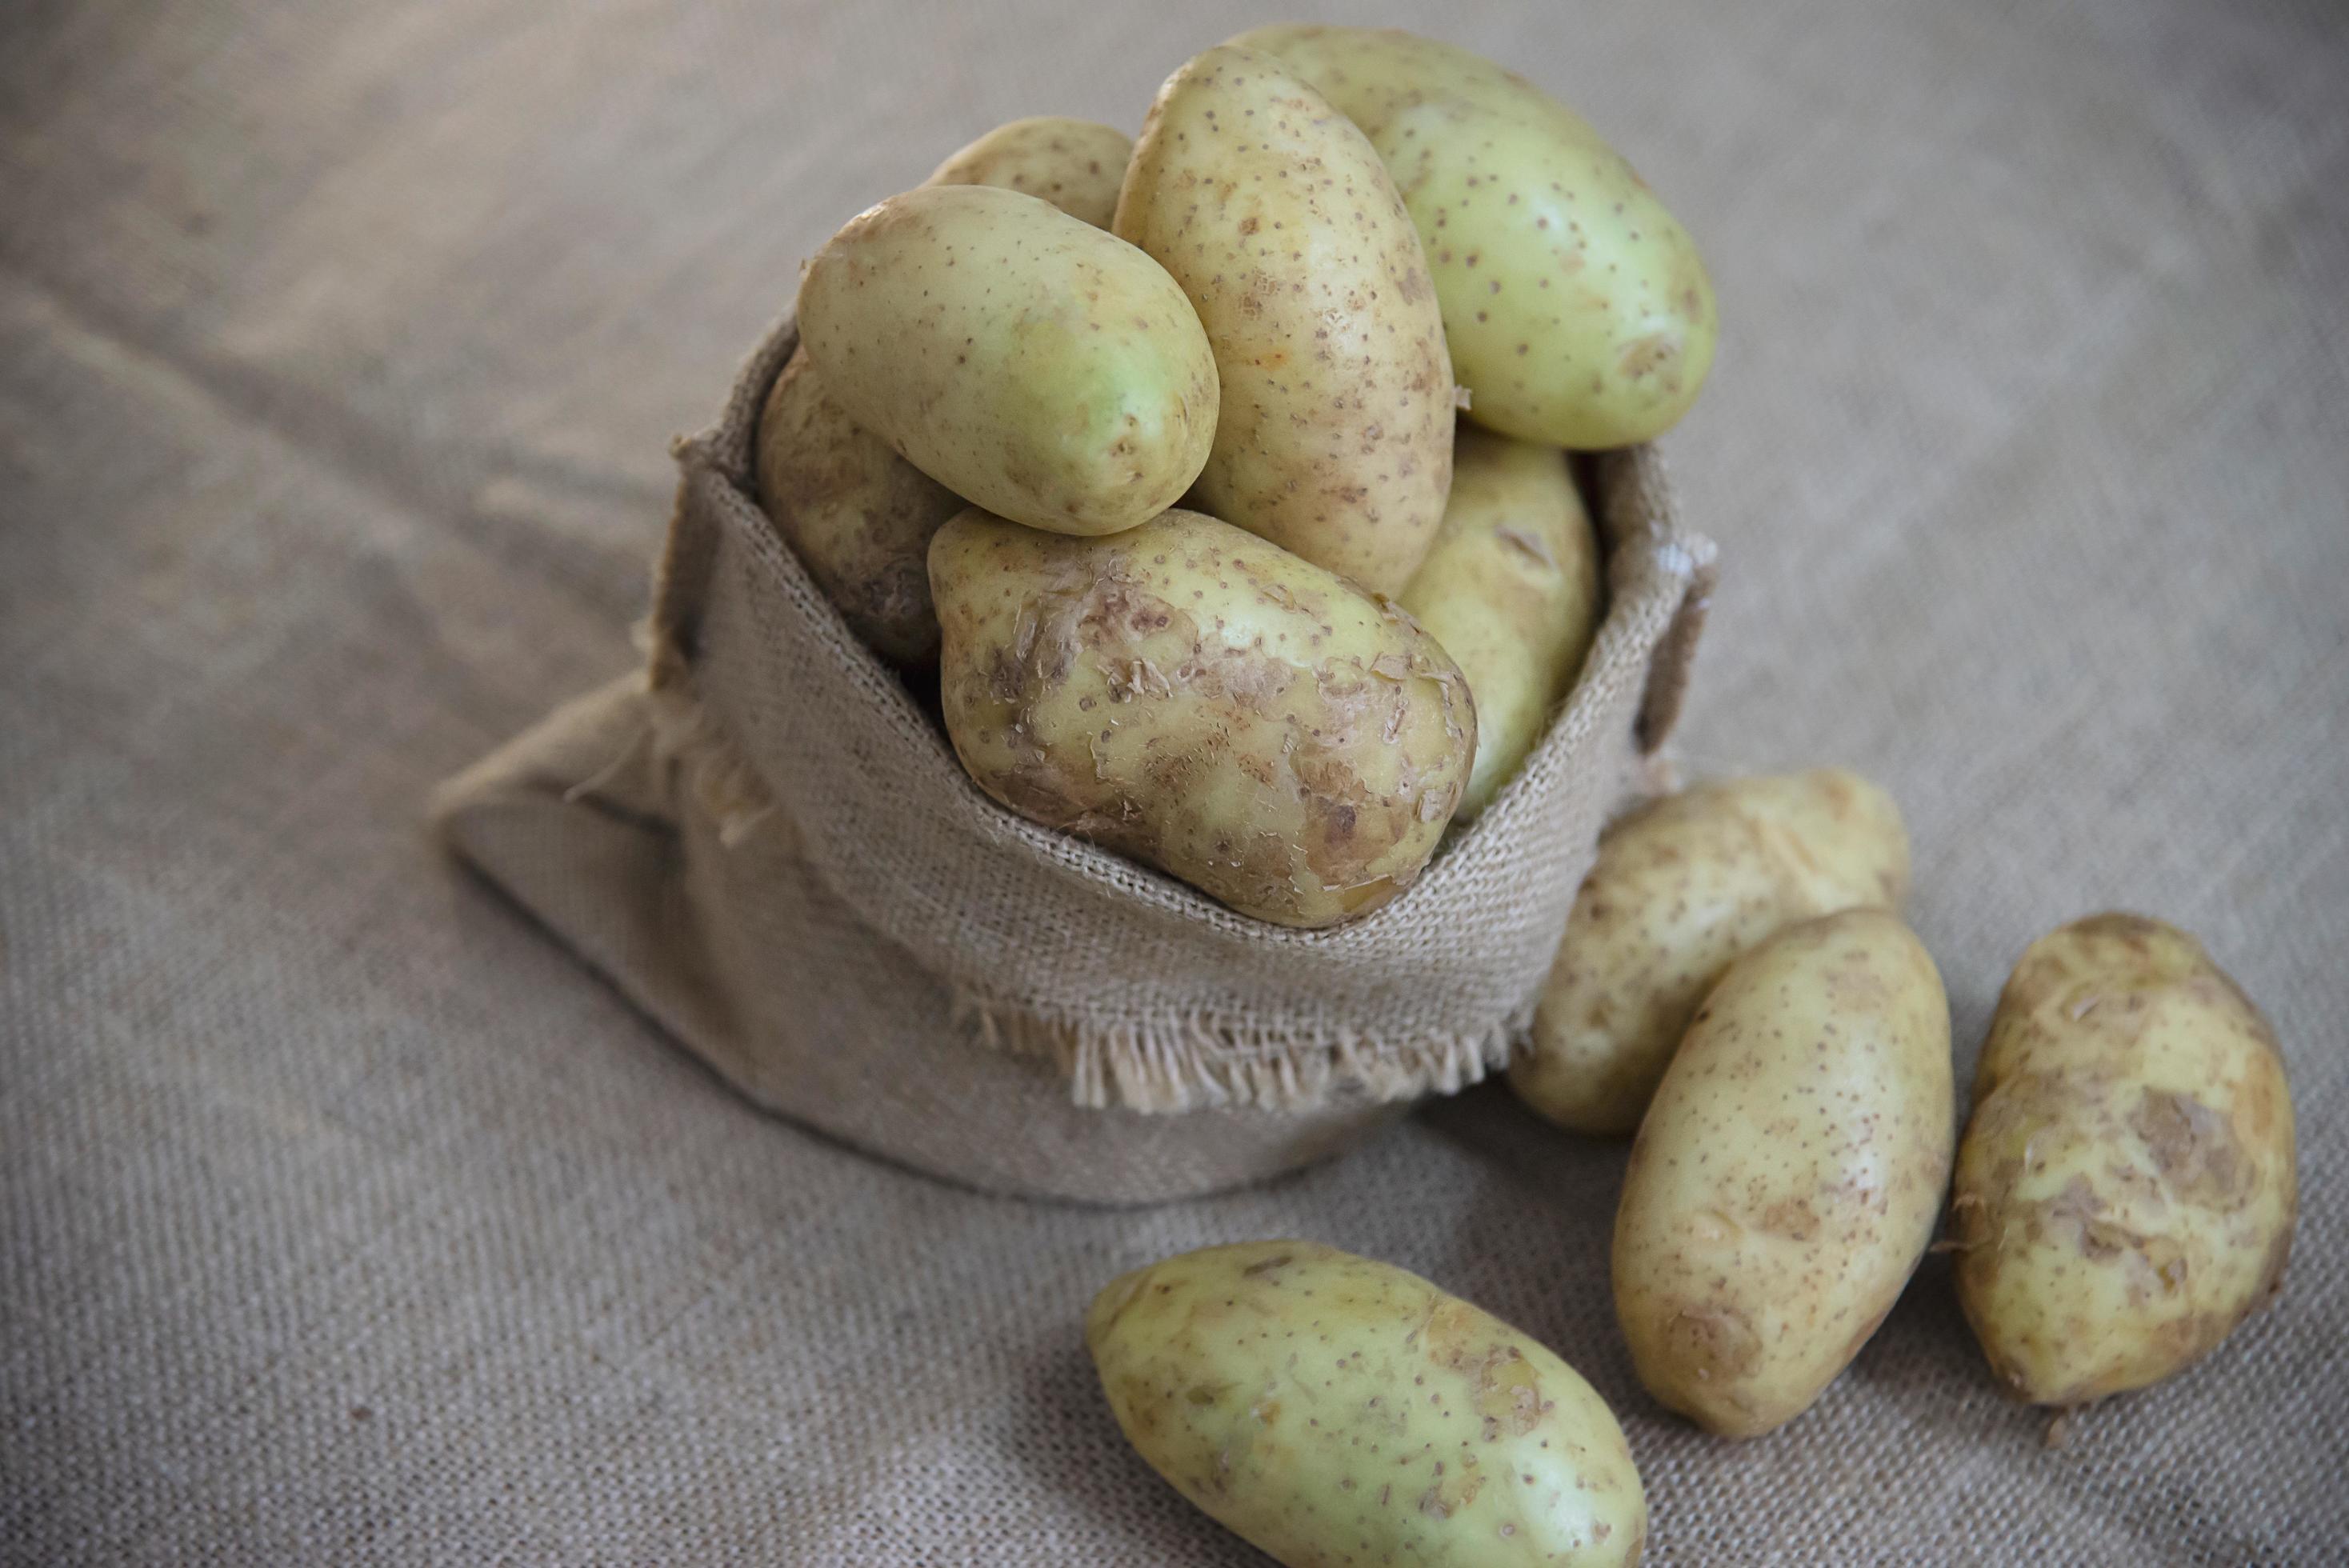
<point>1737,986</point>
<point>1153,449</point>
<point>1157,450</point>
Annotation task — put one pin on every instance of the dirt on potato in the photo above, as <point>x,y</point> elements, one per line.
<point>1203,702</point>
<point>2126,1190</point>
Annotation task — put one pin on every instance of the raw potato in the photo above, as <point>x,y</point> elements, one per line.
<point>1075,164</point>
<point>1511,590</point>
<point>1191,696</point>
<point>1785,1180</point>
<point>860,516</point>
<point>2126,1190</point>
<point>1029,361</point>
<point>1577,310</point>
<point>1277,218</point>
<point>1679,890</point>
<point>1332,1410</point>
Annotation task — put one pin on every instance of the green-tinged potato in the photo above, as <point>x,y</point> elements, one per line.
<point>1510,588</point>
<point>1075,164</point>
<point>1333,1409</point>
<point>1785,1182</point>
<point>859,515</point>
<point>2126,1190</point>
<point>1276,216</point>
<point>1028,361</point>
<point>1679,890</point>
<point>1189,695</point>
<point>1576,308</point>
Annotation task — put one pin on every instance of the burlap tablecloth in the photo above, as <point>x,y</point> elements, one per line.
<point>343,1217</point>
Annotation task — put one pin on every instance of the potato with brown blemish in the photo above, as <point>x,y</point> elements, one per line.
<point>1679,890</point>
<point>1577,310</point>
<point>1276,216</point>
<point>1075,164</point>
<point>2128,1187</point>
<point>1196,698</point>
<point>1331,1409</point>
<point>1028,361</point>
<point>1510,588</point>
<point>1785,1180</point>
<point>858,515</point>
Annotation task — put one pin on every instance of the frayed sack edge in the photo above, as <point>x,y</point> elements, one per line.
<point>1199,1063</point>
<point>1157,1066</point>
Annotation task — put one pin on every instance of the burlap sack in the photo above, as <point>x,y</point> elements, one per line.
<point>769,845</point>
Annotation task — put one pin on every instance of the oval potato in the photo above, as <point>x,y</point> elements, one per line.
<point>1075,164</point>
<point>1276,216</point>
<point>1331,1408</point>
<point>1785,1180</point>
<point>1029,361</point>
<point>860,516</point>
<point>1577,310</point>
<point>2128,1186</point>
<point>1199,700</point>
<point>1510,588</point>
<point>1679,890</point>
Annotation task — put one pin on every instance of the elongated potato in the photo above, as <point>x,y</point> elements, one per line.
<point>1679,889</point>
<point>1194,697</point>
<point>1277,218</point>
<point>1029,361</point>
<point>1785,1182</point>
<point>859,515</point>
<point>1576,308</point>
<point>1331,1409</point>
<point>1511,590</point>
<point>1075,164</point>
<point>2128,1185</point>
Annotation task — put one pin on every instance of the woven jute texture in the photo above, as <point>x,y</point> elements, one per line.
<point>824,907</point>
<point>346,1217</point>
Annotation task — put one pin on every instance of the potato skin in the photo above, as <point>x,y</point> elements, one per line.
<point>1075,164</point>
<point>1202,701</point>
<point>2127,1185</point>
<point>859,515</point>
<point>1679,890</point>
<point>1510,588</point>
<point>1331,1408</point>
<point>1029,361</point>
<point>1577,310</point>
<point>1785,1180</point>
<point>1276,216</point>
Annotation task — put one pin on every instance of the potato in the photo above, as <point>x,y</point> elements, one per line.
<point>859,515</point>
<point>1510,588</point>
<point>1785,1182</point>
<point>2126,1190</point>
<point>1576,308</point>
<point>1334,1409</point>
<point>1075,164</point>
<point>1679,890</point>
<point>1279,220</point>
<point>1190,696</point>
<point>1029,361</point>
